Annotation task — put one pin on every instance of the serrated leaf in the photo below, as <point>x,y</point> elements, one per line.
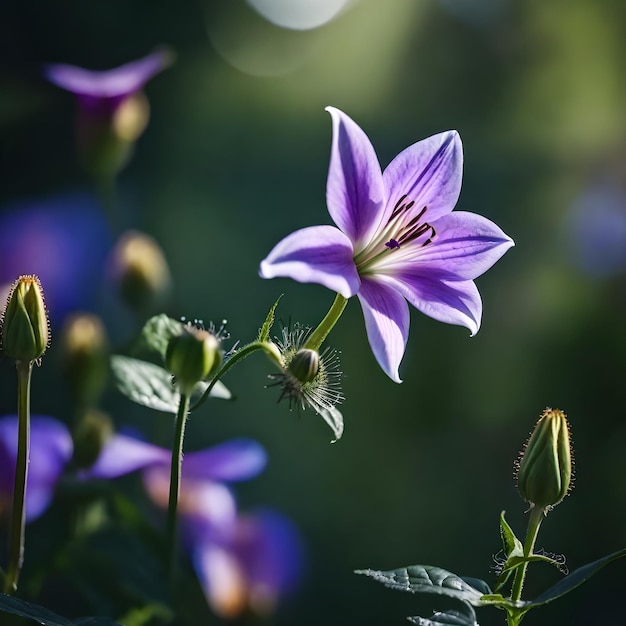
<point>573,580</point>
<point>510,543</point>
<point>45,617</point>
<point>157,332</point>
<point>150,385</point>
<point>427,579</point>
<point>465,617</point>
<point>264,332</point>
<point>333,417</point>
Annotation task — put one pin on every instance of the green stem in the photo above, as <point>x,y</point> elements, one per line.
<point>241,354</point>
<point>175,475</point>
<point>16,545</point>
<point>536,517</point>
<point>326,325</point>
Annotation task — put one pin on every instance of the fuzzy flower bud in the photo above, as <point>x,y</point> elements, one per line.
<point>140,270</point>
<point>545,467</point>
<point>305,365</point>
<point>192,356</point>
<point>25,327</point>
<point>90,436</point>
<point>85,357</point>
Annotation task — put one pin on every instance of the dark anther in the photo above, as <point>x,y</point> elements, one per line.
<point>392,244</point>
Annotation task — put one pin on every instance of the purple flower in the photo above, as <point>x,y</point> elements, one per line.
<point>104,91</point>
<point>243,562</point>
<point>396,238</point>
<point>50,451</point>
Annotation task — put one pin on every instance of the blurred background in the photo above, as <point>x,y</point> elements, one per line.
<point>235,156</point>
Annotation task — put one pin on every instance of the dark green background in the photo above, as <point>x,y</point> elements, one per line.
<point>231,162</point>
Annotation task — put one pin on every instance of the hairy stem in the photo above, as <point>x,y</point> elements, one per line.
<point>175,476</point>
<point>536,517</point>
<point>16,545</point>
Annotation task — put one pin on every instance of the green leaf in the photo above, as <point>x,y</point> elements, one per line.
<point>510,543</point>
<point>477,583</point>
<point>150,385</point>
<point>465,617</point>
<point>264,332</point>
<point>157,332</point>
<point>573,580</point>
<point>427,579</point>
<point>41,615</point>
<point>333,417</point>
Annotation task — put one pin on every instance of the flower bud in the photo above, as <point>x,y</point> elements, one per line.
<point>85,359</point>
<point>90,436</point>
<point>140,271</point>
<point>25,327</point>
<point>192,356</point>
<point>305,365</point>
<point>545,467</point>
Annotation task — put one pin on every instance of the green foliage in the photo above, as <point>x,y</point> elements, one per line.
<point>45,617</point>
<point>264,332</point>
<point>157,332</point>
<point>151,385</point>
<point>464,617</point>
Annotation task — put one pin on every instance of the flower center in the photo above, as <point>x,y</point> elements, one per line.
<point>404,226</point>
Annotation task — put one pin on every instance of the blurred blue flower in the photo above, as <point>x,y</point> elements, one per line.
<point>244,562</point>
<point>396,238</point>
<point>64,240</point>
<point>595,229</point>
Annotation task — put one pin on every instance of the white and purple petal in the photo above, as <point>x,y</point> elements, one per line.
<point>355,193</point>
<point>465,246</point>
<point>429,173</point>
<point>386,316</point>
<point>318,254</point>
<point>451,302</point>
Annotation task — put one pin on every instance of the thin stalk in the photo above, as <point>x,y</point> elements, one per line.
<point>16,541</point>
<point>536,517</point>
<point>317,337</point>
<point>175,475</point>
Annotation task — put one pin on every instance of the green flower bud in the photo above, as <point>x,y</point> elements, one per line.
<point>85,358</point>
<point>25,327</point>
<point>545,467</point>
<point>90,436</point>
<point>305,365</point>
<point>140,270</point>
<point>192,356</point>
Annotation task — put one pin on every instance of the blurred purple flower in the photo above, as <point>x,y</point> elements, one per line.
<point>64,240</point>
<point>243,562</point>
<point>595,229</point>
<point>50,451</point>
<point>396,239</point>
<point>104,91</point>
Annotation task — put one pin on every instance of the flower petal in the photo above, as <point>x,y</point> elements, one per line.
<point>123,454</point>
<point>118,82</point>
<point>429,173</point>
<point>466,245</point>
<point>354,190</point>
<point>386,321</point>
<point>50,450</point>
<point>238,459</point>
<point>452,302</point>
<point>318,254</point>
